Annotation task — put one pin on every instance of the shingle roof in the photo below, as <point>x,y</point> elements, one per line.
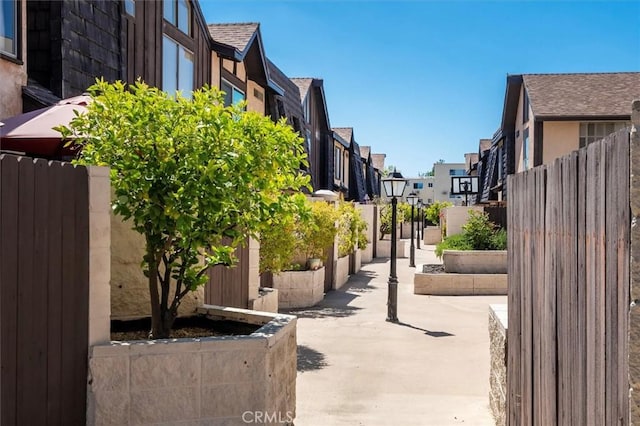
<point>364,152</point>
<point>378,161</point>
<point>577,95</point>
<point>291,92</point>
<point>344,132</point>
<point>303,85</point>
<point>485,144</point>
<point>237,35</point>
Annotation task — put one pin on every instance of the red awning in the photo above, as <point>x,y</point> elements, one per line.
<point>33,134</point>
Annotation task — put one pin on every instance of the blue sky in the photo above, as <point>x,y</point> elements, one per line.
<point>425,80</point>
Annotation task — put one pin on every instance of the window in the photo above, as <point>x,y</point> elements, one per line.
<point>591,132</point>
<point>429,201</point>
<point>309,141</point>
<point>9,28</point>
<point>178,13</point>
<point>130,7</point>
<point>457,172</point>
<point>418,185</point>
<point>525,149</point>
<point>430,185</point>
<point>177,68</point>
<point>525,107</point>
<point>232,95</point>
<point>337,163</point>
<point>307,109</point>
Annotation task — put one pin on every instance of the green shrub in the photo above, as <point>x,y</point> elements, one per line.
<point>351,229</point>
<point>479,233</point>
<point>454,242</point>
<point>499,240</point>
<point>319,233</point>
<point>432,213</point>
<point>479,230</point>
<point>385,218</point>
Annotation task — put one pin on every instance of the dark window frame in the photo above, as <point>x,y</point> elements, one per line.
<point>176,11</point>
<point>525,107</point>
<point>185,93</point>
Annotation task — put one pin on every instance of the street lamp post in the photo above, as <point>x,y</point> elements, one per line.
<point>412,200</point>
<point>418,225</point>
<point>394,187</point>
<point>465,188</point>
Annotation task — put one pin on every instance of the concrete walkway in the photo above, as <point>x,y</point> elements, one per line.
<point>354,368</point>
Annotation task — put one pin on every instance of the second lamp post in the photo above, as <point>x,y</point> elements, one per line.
<point>412,199</point>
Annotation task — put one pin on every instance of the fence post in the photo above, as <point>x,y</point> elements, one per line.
<point>634,310</point>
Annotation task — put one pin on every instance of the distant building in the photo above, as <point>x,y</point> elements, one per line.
<point>442,174</point>
<point>423,187</point>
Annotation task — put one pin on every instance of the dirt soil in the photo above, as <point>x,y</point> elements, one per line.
<point>183,327</point>
<point>434,269</point>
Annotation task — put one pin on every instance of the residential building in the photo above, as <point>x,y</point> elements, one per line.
<point>546,116</point>
<point>319,137</point>
<point>63,46</point>
<point>442,174</point>
<point>341,164</point>
<point>423,187</point>
<point>377,160</point>
<point>357,184</point>
<point>13,56</point>
<point>240,68</point>
<point>371,177</point>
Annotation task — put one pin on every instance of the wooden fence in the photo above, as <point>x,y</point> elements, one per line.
<point>44,292</point>
<point>229,286</point>
<point>569,239</point>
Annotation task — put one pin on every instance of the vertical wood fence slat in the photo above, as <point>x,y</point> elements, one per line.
<point>623,280</point>
<point>580,358</point>
<point>54,299</point>
<point>569,254</point>
<point>9,274</point>
<point>26,291</point>
<point>228,286</point>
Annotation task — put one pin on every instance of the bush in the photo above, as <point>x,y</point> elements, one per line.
<point>351,229</point>
<point>499,240</point>
<point>479,230</point>
<point>479,233</point>
<point>432,213</point>
<point>319,233</point>
<point>454,242</point>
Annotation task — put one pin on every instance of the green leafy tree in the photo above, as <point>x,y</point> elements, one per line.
<point>319,233</point>
<point>195,177</point>
<point>385,219</point>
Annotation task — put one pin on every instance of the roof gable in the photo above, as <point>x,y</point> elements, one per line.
<point>237,35</point>
<point>365,152</point>
<point>345,133</point>
<point>303,86</point>
<point>378,161</point>
<point>582,95</point>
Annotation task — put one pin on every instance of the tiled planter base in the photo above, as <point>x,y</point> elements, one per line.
<point>432,235</point>
<point>341,272</point>
<point>498,372</point>
<point>210,380</point>
<point>475,261</point>
<point>299,289</point>
<point>458,284</point>
<point>384,248</point>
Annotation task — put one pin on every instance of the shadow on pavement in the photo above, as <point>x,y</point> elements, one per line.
<point>310,359</point>
<point>427,332</point>
<point>360,282</point>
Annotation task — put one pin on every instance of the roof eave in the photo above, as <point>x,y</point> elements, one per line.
<point>552,117</point>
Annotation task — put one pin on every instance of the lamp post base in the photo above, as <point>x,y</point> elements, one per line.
<point>392,303</point>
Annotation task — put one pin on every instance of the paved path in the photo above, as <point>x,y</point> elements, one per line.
<point>354,368</point>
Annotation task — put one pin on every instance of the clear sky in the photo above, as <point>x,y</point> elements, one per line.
<point>425,80</point>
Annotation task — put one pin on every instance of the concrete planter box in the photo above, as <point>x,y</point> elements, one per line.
<point>475,261</point>
<point>341,272</point>
<point>458,284</point>
<point>498,372</point>
<point>299,289</point>
<point>267,300</point>
<point>209,380</point>
<point>384,248</point>
<point>432,235</point>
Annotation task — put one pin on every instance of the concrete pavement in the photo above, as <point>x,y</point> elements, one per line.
<point>354,368</point>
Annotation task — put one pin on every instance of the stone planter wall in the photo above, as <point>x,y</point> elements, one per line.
<point>456,216</point>
<point>458,284</point>
<point>384,248</point>
<point>432,235</point>
<point>355,262</point>
<point>267,300</point>
<point>475,261</point>
<point>299,289</point>
<point>341,272</point>
<point>211,380</point>
<point>498,372</point>
<point>367,212</point>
